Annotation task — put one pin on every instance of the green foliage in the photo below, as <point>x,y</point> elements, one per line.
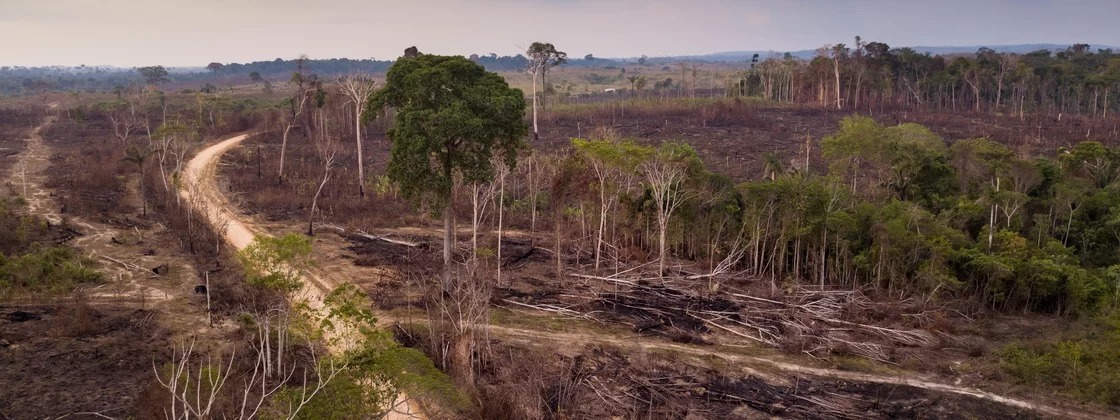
<point>348,309</point>
<point>913,158</point>
<point>1087,368</point>
<point>452,117</point>
<point>621,155</point>
<point>276,263</point>
<point>373,357</point>
<point>395,369</point>
<point>971,219</point>
<point>30,263</point>
<point>48,270</point>
<point>154,75</point>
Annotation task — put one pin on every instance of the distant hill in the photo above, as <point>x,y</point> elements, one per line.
<point>939,50</point>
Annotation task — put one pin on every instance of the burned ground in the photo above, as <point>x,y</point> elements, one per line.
<point>535,380</point>
<point>78,357</point>
<point>732,137</point>
<point>841,330</point>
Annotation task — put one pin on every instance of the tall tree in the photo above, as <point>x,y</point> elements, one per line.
<point>138,156</point>
<point>357,88</point>
<point>542,56</point>
<point>153,75</point>
<point>615,165</point>
<point>665,175</point>
<point>297,103</point>
<point>839,54</point>
<point>452,117</point>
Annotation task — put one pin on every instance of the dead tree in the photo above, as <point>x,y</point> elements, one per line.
<point>193,394</point>
<point>480,200</point>
<point>664,175</point>
<point>501,172</point>
<point>124,122</point>
<point>298,103</point>
<point>460,309</point>
<point>357,88</point>
<point>839,52</point>
<point>327,150</point>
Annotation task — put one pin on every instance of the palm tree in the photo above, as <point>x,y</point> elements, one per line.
<point>136,156</point>
<point>772,166</point>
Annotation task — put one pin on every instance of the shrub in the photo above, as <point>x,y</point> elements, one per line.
<point>1088,368</point>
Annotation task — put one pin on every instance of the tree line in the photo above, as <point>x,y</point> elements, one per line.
<point>899,212</point>
<point>872,75</point>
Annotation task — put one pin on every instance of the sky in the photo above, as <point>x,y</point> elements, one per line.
<point>130,33</point>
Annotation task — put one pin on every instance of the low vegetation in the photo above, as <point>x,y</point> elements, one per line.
<point>32,264</point>
<point>1087,367</point>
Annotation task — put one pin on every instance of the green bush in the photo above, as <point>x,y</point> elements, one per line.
<point>1087,368</point>
<point>48,270</point>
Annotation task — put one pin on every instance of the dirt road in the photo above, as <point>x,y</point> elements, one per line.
<point>203,193</point>
<point>240,232</point>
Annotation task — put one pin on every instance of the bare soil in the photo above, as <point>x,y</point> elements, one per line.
<point>85,357</point>
<point>93,351</point>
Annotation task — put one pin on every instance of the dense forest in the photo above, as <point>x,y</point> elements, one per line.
<point>899,212</point>
<point>872,75</point>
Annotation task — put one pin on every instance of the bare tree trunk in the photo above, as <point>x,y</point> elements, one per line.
<point>448,237</point>
<point>475,216</point>
<point>532,205</point>
<point>315,201</point>
<point>501,210</point>
<point>559,260</point>
<point>836,72</point>
<point>602,218</point>
<point>663,228</point>
<point>536,131</point>
<point>361,163</point>
<point>283,148</point>
<point>296,112</point>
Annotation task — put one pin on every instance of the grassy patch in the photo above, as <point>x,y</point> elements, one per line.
<point>508,318</point>
<point>861,364</point>
<point>1087,368</point>
<point>32,265</point>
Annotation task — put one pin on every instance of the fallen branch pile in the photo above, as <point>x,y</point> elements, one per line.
<point>807,321</point>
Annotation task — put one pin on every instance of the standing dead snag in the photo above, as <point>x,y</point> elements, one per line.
<point>481,194</point>
<point>124,122</point>
<point>297,102</point>
<point>665,175</point>
<point>503,172</point>
<point>326,149</point>
<point>357,88</point>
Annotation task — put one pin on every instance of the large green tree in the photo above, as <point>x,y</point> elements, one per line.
<point>154,75</point>
<point>452,117</point>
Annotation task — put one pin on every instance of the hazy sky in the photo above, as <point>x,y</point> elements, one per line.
<point>196,32</point>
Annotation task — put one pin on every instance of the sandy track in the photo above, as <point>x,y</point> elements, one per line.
<point>240,233</point>
<point>203,193</point>
<point>129,279</point>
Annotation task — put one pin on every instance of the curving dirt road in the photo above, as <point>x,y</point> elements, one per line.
<point>202,192</point>
<point>239,232</point>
